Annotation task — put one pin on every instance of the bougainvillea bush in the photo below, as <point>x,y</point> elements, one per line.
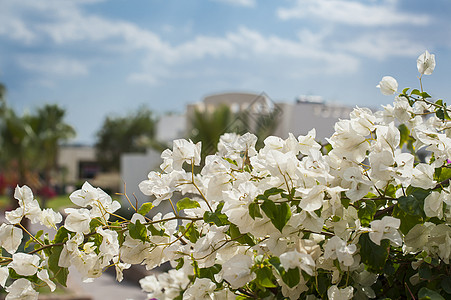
<point>366,216</point>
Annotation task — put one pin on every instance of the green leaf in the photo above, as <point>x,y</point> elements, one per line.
<point>425,95</point>
<point>59,273</point>
<point>404,134</point>
<point>440,114</point>
<point>425,272</point>
<point>408,221</point>
<point>366,212</point>
<point>446,284</point>
<point>210,272</point>
<point>415,92</point>
<point>323,281</point>
<point>137,231</point>
<point>233,162</point>
<point>217,217</point>
<point>61,235</point>
<point>404,91</point>
<point>145,208</point>
<point>154,231</point>
<point>413,203</point>
<point>180,262</point>
<point>273,191</point>
<point>290,277</point>
<point>374,256</point>
<point>425,293</point>
<point>96,222</point>
<point>13,274</point>
<point>187,203</point>
<point>445,110</point>
<point>254,210</point>
<point>244,239</point>
<point>279,214</point>
<point>265,278</point>
<point>442,174</point>
<point>190,232</point>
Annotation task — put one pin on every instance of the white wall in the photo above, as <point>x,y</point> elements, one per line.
<point>134,169</point>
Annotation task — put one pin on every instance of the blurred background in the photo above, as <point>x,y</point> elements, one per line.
<point>95,89</point>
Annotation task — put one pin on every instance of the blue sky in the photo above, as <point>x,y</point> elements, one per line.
<point>97,58</point>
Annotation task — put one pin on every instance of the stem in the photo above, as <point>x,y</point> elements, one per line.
<point>384,211</point>
<point>173,208</point>
<point>411,295</point>
<point>421,83</point>
<point>45,247</point>
<point>32,236</point>
<point>126,197</point>
<point>198,189</point>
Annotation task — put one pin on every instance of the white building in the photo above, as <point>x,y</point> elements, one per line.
<point>297,117</point>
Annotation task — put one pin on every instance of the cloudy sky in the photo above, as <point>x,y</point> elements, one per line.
<point>99,58</point>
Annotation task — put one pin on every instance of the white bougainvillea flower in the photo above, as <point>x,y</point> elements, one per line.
<point>50,218</point>
<point>426,63</point>
<point>25,264</point>
<point>433,205</point>
<point>28,206</point>
<point>185,151</point>
<point>10,237</point>
<point>110,243</point>
<point>386,228</point>
<point>418,236</point>
<point>4,273</point>
<point>293,259</point>
<point>21,289</point>
<point>77,220</point>
<point>84,196</point>
<point>44,276</point>
<point>388,85</point>
<point>336,248</point>
<point>237,270</point>
<point>423,176</point>
<point>334,293</point>
<point>202,289</point>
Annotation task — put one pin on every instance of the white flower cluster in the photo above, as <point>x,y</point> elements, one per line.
<point>289,220</point>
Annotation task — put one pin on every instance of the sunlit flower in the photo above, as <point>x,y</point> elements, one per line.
<point>388,85</point>
<point>426,63</point>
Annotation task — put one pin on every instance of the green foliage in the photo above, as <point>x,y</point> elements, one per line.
<point>374,256</point>
<point>137,231</point>
<point>290,277</point>
<point>145,208</point>
<point>427,294</point>
<point>187,203</point>
<point>134,132</point>
<point>59,273</point>
<point>265,277</point>
<point>366,212</point>
<point>216,217</point>
<point>279,213</point>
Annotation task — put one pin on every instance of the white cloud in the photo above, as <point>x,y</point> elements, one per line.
<point>377,13</point>
<point>246,46</point>
<point>244,3</point>
<point>66,25</point>
<point>49,65</point>
<point>381,45</point>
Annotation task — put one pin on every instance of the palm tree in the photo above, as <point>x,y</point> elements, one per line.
<point>132,133</point>
<point>50,131</point>
<point>207,127</point>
